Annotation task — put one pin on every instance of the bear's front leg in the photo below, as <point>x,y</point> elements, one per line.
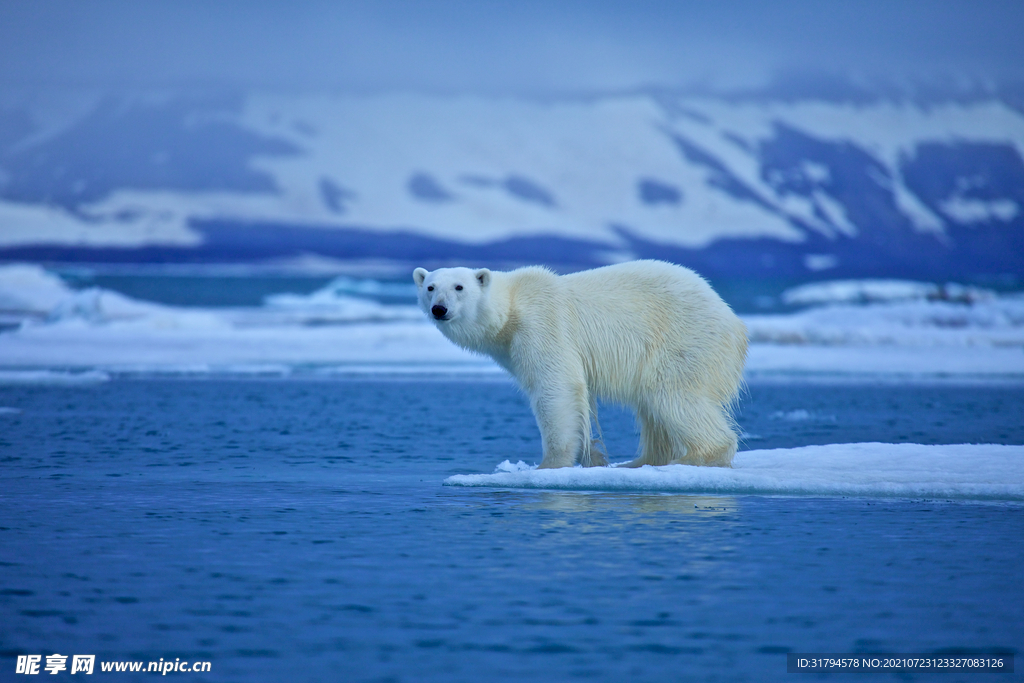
<point>551,373</point>
<point>562,410</point>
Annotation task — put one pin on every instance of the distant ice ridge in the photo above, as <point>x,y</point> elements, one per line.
<point>49,325</point>
<point>345,286</point>
<point>29,290</point>
<point>872,470</point>
<point>32,295</point>
<point>335,303</point>
<point>44,324</point>
<point>878,291</point>
<point>893,313</point>
<point>50,377</point>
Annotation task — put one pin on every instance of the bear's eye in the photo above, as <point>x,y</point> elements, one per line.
<point>430,288</point>
<point>458,288</point>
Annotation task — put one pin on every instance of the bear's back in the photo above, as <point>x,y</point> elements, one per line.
<point>656,319</point>
<point>648,288</point>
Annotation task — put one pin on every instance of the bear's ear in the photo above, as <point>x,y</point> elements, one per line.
<point>483,276</point>
<point>419,275</point>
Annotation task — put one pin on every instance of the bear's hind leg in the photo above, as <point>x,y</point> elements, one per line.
<point>685,433</point>
<point>595,455</point>
<point>707,433</point>
<point>656,442</point>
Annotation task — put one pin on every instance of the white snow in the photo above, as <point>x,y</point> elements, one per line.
<point>22,224</point>
<point>966,471</point>
<point>890,132</point>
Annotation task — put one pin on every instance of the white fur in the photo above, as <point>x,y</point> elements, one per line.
<point>647,334</point>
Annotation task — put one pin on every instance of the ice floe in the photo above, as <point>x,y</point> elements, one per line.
<point>963,471</point>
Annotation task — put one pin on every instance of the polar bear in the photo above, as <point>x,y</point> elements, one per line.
<point>646,334</point>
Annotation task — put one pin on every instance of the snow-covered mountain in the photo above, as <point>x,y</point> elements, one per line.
<point>752,186</point>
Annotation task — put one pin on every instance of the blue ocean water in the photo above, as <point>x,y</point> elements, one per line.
<point>297,529</point>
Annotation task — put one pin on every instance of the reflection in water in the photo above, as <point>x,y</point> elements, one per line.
<point>636,503</point>
<point>603,502</point>
<point>623,539</point>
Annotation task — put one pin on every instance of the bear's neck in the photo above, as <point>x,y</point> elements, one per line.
<point>490,332</point>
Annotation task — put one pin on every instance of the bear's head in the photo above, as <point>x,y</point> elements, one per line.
<point>451,296</point>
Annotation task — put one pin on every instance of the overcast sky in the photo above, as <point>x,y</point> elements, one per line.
<point>493,47</point>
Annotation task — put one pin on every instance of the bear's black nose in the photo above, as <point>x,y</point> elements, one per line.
<point>439,311</point>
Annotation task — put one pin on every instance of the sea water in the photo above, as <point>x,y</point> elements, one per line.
<point>298,529</point>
